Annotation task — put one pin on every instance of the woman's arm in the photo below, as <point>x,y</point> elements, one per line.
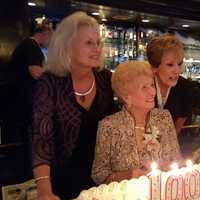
<point>179,123</point>
<point>101,168</point>
<point>42,178</point>
<point>43,140</point>
<point>42,122</point>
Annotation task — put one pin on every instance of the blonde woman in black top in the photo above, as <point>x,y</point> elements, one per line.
<point>70,98</point>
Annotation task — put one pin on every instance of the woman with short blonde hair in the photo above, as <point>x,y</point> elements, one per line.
<point>126,73</point>
<point>128,141</point>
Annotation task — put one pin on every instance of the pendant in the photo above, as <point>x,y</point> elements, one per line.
<point>82,98</point>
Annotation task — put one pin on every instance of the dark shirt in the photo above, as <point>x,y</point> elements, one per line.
<point>27,53</point>
<point>180,100</point>
<point>65,133</point>
<point>74,175</point>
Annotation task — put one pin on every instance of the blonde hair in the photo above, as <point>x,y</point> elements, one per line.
<point>161,44</point>
<point>126,73</point>
<point>59,53</point>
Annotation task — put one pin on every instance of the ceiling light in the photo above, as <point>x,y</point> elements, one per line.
<point>150,31</point>
<point>95,13</point>
<point>185,25</point>
<point>145,20</point>
<point>39,20</point>
<point>104,20</point>
<point>31,4</point>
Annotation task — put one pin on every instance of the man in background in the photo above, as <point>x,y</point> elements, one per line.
<point>27,65</point>
<point>27,61</point>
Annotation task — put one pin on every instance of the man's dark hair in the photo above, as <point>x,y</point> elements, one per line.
<point>40,28</point>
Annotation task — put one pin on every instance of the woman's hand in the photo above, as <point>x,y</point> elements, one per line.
<point>128,174</point>
<point>135,173</point>
<point>35,71</point>
<point>44,188</point>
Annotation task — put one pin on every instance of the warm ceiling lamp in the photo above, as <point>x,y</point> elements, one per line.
<point>31,4</point>
<point>145,20</point>
<point>185,25</point>
<point>104,20</point>
<point>95,13</point>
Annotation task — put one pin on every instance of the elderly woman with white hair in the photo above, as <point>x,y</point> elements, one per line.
<point>69,100</point>
<point>129,140</point>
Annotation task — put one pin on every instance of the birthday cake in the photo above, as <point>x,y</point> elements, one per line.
<point>176,184</point>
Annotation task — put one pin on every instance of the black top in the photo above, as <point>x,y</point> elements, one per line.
<point>75,175</point>
<point>65,133</point>
<point>27,53</point>
<point>57,118</point>
<point>180,100</point>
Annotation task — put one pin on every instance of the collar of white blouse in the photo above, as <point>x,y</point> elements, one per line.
<point>161,101</point>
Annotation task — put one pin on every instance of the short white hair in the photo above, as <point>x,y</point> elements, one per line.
<point>126,73</point>
<point>59,52</point>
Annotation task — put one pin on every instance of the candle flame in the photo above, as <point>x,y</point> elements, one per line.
<point>154,166</point>
<point>154,170</point>
<point>174,166</point>
<point>189,163</point>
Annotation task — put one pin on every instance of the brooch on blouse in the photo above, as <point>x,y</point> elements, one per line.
<point>152,140</point>
<point>152,133</point>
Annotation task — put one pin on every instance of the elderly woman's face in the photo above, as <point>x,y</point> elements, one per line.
<point>142,92</point>
<point>170,68</point>
<point>87,48</point>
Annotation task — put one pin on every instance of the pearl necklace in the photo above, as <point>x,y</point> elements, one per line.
<point>82,95</point>
<point>140,127</point>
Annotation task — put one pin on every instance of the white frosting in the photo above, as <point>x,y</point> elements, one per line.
<point>183,184</point>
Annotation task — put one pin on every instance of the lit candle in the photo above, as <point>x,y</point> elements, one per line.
<point>154,168</point>
<point>155,182</point>
<point>174,184</point>
<point>192,182</point>
<point>174,167</point>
